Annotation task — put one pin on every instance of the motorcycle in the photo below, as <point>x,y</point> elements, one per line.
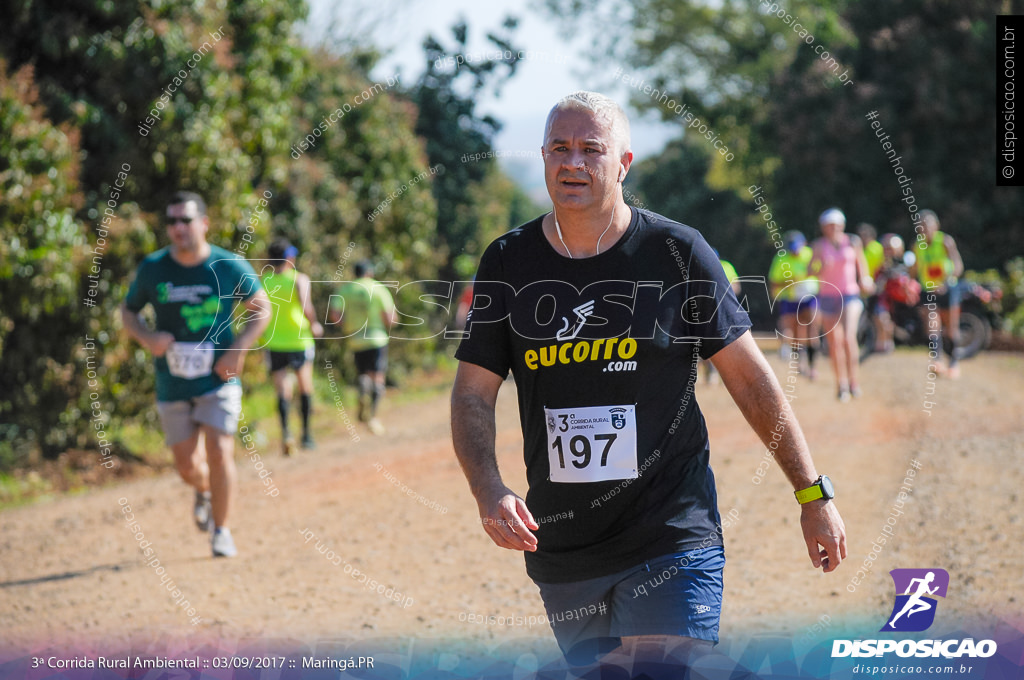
<point>978,314</point>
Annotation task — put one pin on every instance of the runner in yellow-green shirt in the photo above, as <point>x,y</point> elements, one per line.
<point>874,253</point>
<point>794,291</point>
<point>731,275</point>
<point>711,376</point>
<point>937,267</point>
<point>367,312</point>
<point>289,337</point>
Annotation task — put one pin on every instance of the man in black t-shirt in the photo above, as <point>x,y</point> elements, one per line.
<point>601,312</point>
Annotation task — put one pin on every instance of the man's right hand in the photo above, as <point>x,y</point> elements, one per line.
<point>159,342</point>
<point>507,520</point>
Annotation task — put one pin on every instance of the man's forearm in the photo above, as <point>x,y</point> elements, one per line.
<point>254,325</point>
<point>134,326</point>
<point>763,404</point>
<point>757,393</point>
<point>473,433</point>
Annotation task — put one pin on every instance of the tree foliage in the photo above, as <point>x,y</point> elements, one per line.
<point>459,139</point>
<point>800,130</point>
<point>222,99</point>
<point>38,186</point>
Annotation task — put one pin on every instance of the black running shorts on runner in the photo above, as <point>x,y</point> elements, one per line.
<point>371,360</point>
<point>293,360</point>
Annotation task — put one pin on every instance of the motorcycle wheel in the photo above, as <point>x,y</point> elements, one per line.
<point>866,336</point>
<point>975,334</point>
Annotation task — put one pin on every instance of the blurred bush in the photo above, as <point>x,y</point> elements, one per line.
<point>1011,282</point>
<point>76,88</point>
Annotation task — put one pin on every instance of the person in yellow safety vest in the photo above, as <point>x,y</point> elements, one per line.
<point>710,374</point>
<point>874,255</point>
<point>289,337</point>
<point>874,252</point>
<point>730,275</point>
<point>796,289</point>
<point>937,266</point>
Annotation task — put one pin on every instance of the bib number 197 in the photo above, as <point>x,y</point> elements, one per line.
<point>579,446</point>
<point>591,444</point>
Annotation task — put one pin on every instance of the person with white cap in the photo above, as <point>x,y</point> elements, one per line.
<point>838,262</point>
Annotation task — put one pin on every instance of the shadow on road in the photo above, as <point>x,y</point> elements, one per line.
<point>67,575</point>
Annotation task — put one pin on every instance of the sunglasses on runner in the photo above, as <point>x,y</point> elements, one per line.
<point>171,221</point>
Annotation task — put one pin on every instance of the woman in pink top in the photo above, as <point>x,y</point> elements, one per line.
<point>842,272</point>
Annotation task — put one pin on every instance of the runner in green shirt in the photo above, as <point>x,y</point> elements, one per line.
<point>197,290</point>
<point>367,311</point>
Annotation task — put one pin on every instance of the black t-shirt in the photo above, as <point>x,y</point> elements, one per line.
<point>623,331</point>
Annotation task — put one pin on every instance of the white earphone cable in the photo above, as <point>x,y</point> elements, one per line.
<point>558,230</point>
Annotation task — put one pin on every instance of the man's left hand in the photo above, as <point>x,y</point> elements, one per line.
<point>824,534</point>
<point>230,364</point>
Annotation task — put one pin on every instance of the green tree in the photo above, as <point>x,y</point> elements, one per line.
<point>227,130</point>
<point>800,130</point>
<point>459,139</point>
<point>925,68</point>
<point>39,236</point>
<point>720,215</point>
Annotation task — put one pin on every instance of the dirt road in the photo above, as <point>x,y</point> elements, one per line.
<point>398,509</point>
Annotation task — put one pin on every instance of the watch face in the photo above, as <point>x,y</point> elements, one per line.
<point>826,487</point>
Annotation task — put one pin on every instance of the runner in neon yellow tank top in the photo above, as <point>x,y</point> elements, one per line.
<point>290,330</point>
<point>937,267</point>
<point>289,337</point>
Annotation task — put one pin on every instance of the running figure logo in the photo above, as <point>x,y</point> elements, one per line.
<point>582,313</point>
<point>914,610</point>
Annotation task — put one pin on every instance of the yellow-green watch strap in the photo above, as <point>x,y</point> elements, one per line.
<point>811,493</point>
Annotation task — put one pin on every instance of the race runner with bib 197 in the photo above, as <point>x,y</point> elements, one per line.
<point>604,351</point>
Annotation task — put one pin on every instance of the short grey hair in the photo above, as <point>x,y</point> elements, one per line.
<point>603,108</point>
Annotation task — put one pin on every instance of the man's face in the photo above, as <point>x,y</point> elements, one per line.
<point>581,160</point>
<point>185,227</point>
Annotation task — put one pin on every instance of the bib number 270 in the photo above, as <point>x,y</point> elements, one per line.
<point>591,444</point>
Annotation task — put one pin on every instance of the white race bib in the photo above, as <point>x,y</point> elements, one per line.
<point>190,360</point>
<point>805,288</point>
<point>591,443</point>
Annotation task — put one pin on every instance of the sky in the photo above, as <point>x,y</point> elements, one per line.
<point>556,63</point>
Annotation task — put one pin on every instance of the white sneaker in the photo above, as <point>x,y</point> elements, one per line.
<point>222,543</point>
<point>202,511</point>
